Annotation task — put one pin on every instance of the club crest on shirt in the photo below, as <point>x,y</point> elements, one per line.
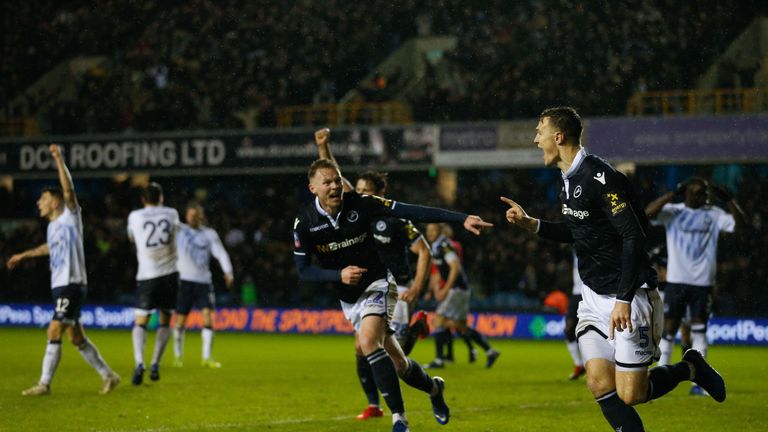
<point>353,216</point>
<point>577,191</point>
<point>381,226</point>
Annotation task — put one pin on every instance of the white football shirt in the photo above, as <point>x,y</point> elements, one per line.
<point>692,236</point>
<point>153,229</point>
<point>65,246</point>
<point>195,247</point>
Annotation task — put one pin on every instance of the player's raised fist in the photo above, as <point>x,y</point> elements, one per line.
<point>321,136</point>
<point>55,151</point>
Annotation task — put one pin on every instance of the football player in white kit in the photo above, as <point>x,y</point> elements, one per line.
<point>153,230</point>
<point>64,244</point>
<point>195,243</point>
<point>693,228</point>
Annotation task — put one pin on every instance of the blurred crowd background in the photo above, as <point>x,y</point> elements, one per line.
<point>230,64</point>
<point>204,64</point>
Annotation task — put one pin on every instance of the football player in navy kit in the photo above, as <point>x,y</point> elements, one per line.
<point>394,238</point>
<point>453,299</point>
<point>620,315</point>
<point>335,228</point>
<point>64,244</point>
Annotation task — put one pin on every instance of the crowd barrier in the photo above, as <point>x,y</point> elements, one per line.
<point>721,330</point>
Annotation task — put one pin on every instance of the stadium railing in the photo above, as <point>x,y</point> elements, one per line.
<point>346,113</point>
<point>697,102</point>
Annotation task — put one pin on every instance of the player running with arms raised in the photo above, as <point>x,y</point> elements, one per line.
<point>335,228</point>
<point>395,239</point>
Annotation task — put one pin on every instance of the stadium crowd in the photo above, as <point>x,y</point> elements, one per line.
<point>508,269</point>
<point>230,64</point>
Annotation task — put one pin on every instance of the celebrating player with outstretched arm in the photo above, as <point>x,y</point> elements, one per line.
<point>620,313</point>
<point>335,228</point>
<point>64,244</point>
<point>395,239</point>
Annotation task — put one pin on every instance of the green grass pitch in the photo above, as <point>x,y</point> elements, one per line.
<point>308,383</point>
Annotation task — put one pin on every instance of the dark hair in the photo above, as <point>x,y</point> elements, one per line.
<point>566,120</point>
<point>377,179</point>
<point>152,193</point>
<point>195,205</point>
<point>321,164</point>
<point>696,179</point>
<point>53,190</point>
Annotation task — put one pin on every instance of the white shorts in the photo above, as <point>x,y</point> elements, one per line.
<point>401,317</point>
<point>455,306</point>
<point>378,299</point>
<point>630,351</point>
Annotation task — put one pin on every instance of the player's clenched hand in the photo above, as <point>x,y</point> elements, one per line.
<point>621,318</point>
<point>351,275</point>
<point>475,224</point>
<point>321,136</point>
<point>55,151</point>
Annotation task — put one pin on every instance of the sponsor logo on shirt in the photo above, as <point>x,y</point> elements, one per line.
<point>616,203</point>
<point>578,214</point>
<point>382,239</point>
<point>334,246</point>
<point>318,228</point>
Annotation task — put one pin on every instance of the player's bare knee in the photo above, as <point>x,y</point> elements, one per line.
<point>369,343</point>
<point>599,385</point>
<point>54,330</point>
<point>632,396</point>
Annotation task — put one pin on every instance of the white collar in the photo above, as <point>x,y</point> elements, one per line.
<point>321,210</point>
<point>576,163</point>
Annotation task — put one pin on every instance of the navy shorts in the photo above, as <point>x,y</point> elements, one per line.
<point>194,295</point>
<point>68,300</point>
<point>157,293</point>
<point>678,297</point>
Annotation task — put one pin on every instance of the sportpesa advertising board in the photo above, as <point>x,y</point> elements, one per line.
<point>721,330</point>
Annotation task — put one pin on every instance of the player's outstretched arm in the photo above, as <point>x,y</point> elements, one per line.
<point>39,251</point>
<point>322,139</point>
<point>65,178</point>
<point>417,213</point>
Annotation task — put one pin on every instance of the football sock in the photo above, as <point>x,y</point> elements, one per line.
<point>207,335</point>
<point>667,345</point>
<point>139,334</point>
<point>699,338</point>
<point>441,338</point>
<point>573,349</point>
<point>479,339</point>
<point>50,361</point>
<point>386,380</point>
<point>92,356</point>
<point>161,340</point>
<point>367,382</point>
<point>621,416</point>
<point>178,341</point>
<point>662,379</point>
<point>415,376</point>
<point>448,345</point>
<point>467,340</point>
